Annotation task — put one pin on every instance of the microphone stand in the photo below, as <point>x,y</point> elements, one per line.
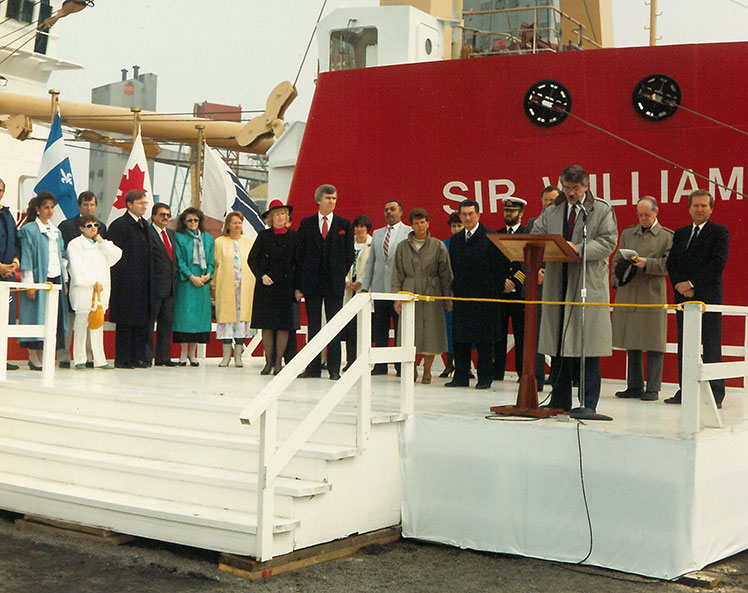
<point>583,412</point>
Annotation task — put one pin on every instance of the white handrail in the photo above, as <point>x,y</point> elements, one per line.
<point>47,332</point>
<point>697,401</point>
<point>272,459</point>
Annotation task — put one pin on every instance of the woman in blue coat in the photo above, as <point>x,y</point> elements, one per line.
<point>195,265</point>
<point>41,262</point>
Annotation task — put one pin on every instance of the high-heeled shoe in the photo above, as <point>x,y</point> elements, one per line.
<point>277,370</point>
<point>194,363</point>
<point>267,369</point>
<point>34,367</point>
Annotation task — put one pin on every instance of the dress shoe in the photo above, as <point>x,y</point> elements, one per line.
<point>106,367</point>
<point>456,383</point>
<point>446,373</point>
<point>334,376</point>
<point>631,393</point>
<point>650,396</point>
<point>348,365</point>
<point>277,370</point>
<point>266,369</point>
<point>80,367</point>
<point>167,363</point>
<point>64,365</point>
<point>309,375</point>
<point>182,363</point>
<point>11,367</point>
<point>34,367</point>
<point>480,385</point>
<point>90,364</point>
<point>675,399</point>
<point>194,363</point>
<point>142,364</point>
<point>122,365</point>
<point>426,379</point>
<point>376,371</point>
<point>471,375</point>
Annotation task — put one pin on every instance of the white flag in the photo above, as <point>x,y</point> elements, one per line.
<point>135,176</point>
<point>222,193</point>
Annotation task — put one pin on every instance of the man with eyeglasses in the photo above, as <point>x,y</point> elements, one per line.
<point>133,280</point>
<point>70,229</point>
<point>165,271</point>
<point>561,327</point>
<point>8,256</point>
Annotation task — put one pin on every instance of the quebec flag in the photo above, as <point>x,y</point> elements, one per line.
<point>223,192</point>
<point>56,175</point>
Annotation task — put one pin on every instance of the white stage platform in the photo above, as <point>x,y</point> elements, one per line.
<point>659,505</point>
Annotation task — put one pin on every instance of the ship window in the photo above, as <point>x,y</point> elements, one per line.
<point>354,47</point>
<point>42,34</point>
<point>20,10</point>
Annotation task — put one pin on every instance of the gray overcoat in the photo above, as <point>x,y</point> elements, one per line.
<point>643,329</point>
<point>561,324</point>
<point>425,271</point>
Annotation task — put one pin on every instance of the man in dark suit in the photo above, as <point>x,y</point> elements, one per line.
<point>479,270</point>
<point>132,300</point>
<point>70,229</point>
<point>165,271</point>
<point>513,289</point>
<point>695,265</point>
<point>325,254</point>
<point>8,257</point>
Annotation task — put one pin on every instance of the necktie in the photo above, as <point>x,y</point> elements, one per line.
<point>468,234</point>
<point>167,243</point>
<point>571,221</point>
<point>387,242</point>
<point>325,228</point>
<point>692,240</point>
<point>510,230</point>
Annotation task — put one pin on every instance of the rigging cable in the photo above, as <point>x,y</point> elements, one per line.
<point>738,3</point>
<point>308,45</point>
<point>706,117</point>
<point>30,34</point>
<point>642,149</point>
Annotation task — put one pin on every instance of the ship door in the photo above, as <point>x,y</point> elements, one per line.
<point>428,46</point>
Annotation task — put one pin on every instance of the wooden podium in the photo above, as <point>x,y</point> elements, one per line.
<point>533,250</point>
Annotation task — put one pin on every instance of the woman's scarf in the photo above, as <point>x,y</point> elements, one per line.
<point>198,251</point>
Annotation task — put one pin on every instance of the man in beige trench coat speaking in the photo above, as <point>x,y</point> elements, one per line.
<point>640,329</point>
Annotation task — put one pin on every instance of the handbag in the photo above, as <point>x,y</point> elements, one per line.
<point>96,315</point>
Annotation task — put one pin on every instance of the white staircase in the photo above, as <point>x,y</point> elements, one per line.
<point>169,464</point>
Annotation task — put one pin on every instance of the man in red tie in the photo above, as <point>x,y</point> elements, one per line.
<point>162,254</point>
<point>560,326</point>
<point>325,253</point>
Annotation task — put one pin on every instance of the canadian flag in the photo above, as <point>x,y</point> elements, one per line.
<point>135,177</point>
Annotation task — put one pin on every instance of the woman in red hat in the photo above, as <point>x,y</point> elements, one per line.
<point>272,260</point>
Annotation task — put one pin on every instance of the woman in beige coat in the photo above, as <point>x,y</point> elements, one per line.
<point>234,286</point>
<point>422,266</point>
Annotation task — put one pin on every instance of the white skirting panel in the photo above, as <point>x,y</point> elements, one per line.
<point>659,506</point>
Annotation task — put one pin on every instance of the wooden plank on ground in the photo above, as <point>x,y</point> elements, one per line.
<point>701,578</point>
<point>252,569</point>
<point>87,531</point>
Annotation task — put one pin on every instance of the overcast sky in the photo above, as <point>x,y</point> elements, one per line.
<point>236,51</point>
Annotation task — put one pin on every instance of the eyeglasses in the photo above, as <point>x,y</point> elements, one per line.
<point>165,214</point>
<point>188,220</point>
<point>91,225</point>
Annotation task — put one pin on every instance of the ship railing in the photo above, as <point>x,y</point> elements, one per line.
<point>699,409</point>
<point>46,332</point>
<point>528,38</point>
<point>263,410</point>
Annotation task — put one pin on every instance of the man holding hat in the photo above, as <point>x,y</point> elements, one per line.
<point>641,280</point>
<point>513,289</point>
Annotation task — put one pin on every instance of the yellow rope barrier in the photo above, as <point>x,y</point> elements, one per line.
<point>48,284</point>
<point>666,306</point>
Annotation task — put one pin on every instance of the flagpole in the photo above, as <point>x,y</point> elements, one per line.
<point>196,168</point>
<point>55,100</point>
<point>135,122</point>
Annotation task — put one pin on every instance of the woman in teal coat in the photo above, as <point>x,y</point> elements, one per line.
<point>36,266</point>
<point>195,265</point>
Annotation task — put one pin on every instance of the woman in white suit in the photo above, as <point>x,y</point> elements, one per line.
<point>354,279</point>
<point>90,258</point>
